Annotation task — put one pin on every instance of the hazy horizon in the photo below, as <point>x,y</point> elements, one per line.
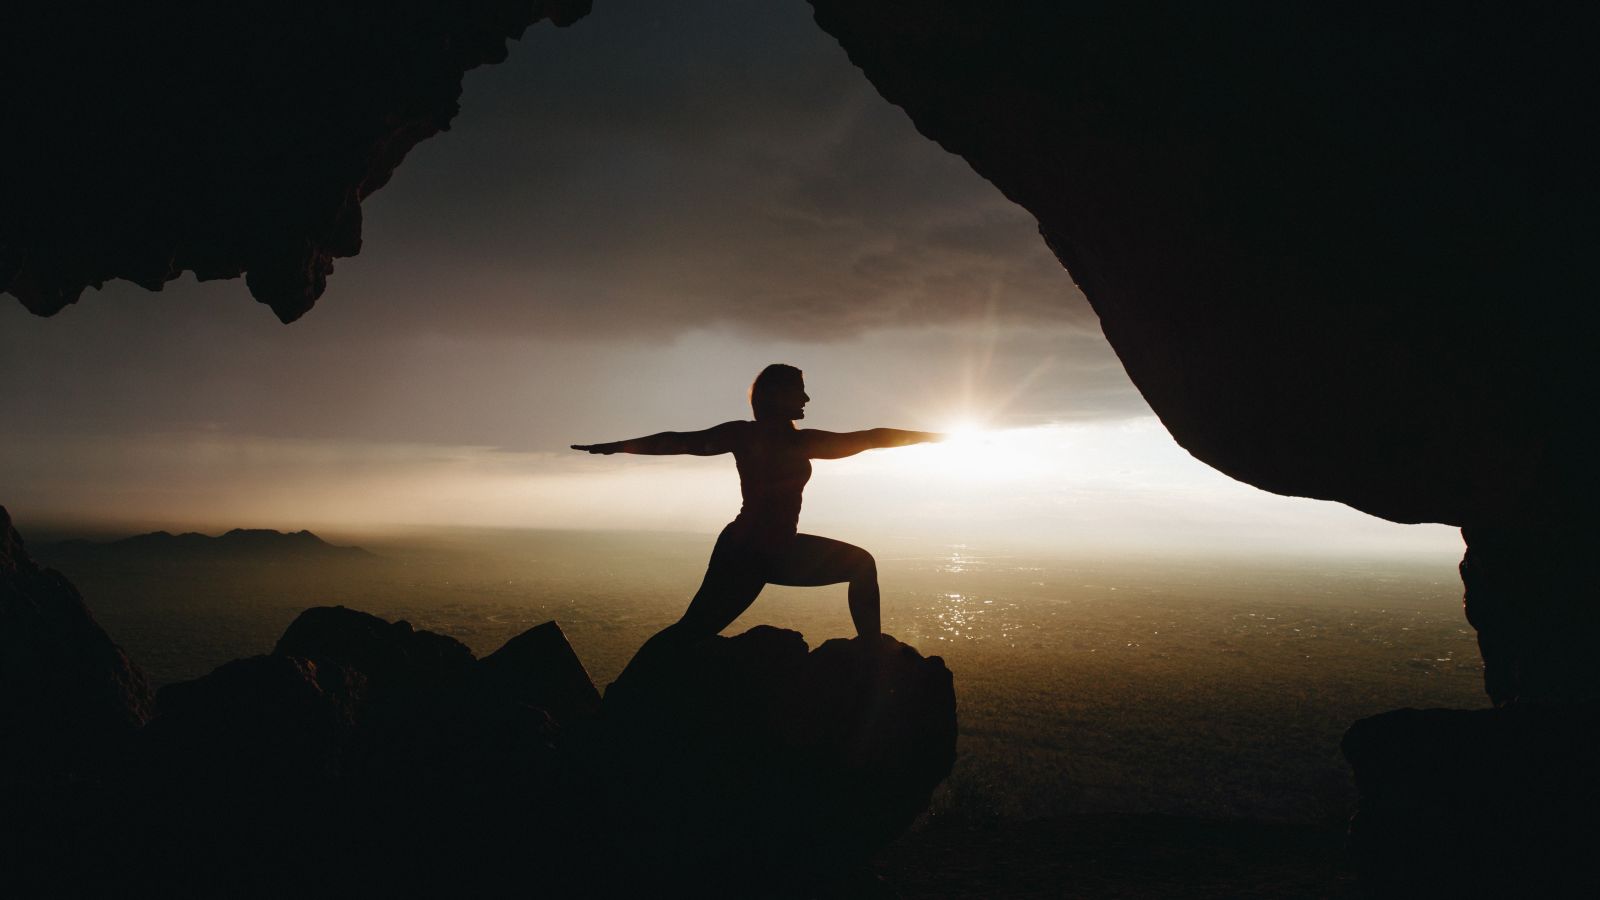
<point>1128,491</point>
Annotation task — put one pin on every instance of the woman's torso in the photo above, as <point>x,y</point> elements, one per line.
<point>773,471</point>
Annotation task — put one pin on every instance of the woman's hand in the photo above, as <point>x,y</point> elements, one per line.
<point>608,449</point>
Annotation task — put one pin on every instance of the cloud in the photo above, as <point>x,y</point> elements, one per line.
<point>652,172</point>
<point>188,363</point>
<point>658,169</point>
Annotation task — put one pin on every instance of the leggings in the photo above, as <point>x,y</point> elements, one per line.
<point>741,567</point>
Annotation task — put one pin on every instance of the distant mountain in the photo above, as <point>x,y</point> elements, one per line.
<point>238,545</point>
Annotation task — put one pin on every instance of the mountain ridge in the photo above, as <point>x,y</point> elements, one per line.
<point>236,544</point>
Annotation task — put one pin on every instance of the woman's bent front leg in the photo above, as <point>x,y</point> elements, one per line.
<point>811,561</point>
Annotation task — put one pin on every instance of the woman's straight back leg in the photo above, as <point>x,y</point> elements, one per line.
<point>734,578</point>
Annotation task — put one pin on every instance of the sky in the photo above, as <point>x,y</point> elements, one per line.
<point>629,218</point>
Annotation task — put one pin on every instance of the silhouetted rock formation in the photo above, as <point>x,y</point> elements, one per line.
<point>398,662</point>
<point>431,717</point>
<point>747,761</point>
<point>224,139</point>
<point>355,743</point>
<point>1477,803</point>
<point>69,697</point>
<point>364,757</point>
<point>539,669</point>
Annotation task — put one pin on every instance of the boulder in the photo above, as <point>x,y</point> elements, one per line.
<point>745,764</point>
<point>719,684</point>
<point>880,722</point>
<point>398,661</point>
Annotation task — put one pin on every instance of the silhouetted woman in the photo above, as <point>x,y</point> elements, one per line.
<point>761,546</point>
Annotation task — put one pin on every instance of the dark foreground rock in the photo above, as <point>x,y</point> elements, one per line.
<point>398,661</point>
<point>70,699</point>
<point>1115,857</point>
<point>745,763</point>
<point>1477,803</point>
<point>364,757</point>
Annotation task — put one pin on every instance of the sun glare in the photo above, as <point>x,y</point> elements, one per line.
<point>969,451</point>
<point>962,430</point>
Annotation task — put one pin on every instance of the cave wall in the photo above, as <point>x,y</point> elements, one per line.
<point>1342,252</point>
<point>145,140</point>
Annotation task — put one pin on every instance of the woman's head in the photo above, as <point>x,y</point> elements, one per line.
<point>779,393</point>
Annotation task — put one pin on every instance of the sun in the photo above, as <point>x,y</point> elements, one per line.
<point>969,450</point>
<point>962,430</point>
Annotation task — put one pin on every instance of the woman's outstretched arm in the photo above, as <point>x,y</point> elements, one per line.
<point>837,445</point>
<point>710,442</point>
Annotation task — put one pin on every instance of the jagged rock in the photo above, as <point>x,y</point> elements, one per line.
<point>1477,803</point>
<point>397,660</point>
<point>70,698</point>
<point>429,718</point>
<point>538,668</point>
<point>745,764</point>
<point>381,743</point>
<point>227,138</point>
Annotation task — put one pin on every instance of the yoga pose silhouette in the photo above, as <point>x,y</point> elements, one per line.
<point>761,546</point>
